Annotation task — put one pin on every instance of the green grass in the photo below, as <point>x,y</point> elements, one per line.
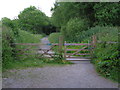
<point>78,47</point>
<point>27,37</point>
<point>9,56</point>
<point>32,61</point>
<point>114,77</point>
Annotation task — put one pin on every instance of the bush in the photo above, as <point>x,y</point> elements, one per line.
<point>73,29</point>
<point>106,54</point>
<point>98,30</point>
<point>27,37</point>
<point>8,50</point>
<point>13,24</point>
<point>54,37</point>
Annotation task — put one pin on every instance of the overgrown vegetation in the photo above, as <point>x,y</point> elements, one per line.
<point>106,53</point>
<point>26,37</point>
<point>14,31</point>
<point>54,37</point>
<point>79,21</point>
<point>73,29</point>
<point>9,51</point>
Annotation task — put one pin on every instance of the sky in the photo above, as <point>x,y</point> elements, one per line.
<point>11,8</point>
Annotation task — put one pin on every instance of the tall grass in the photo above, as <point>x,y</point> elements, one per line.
<point>27,37</point>
<point>54,37</point>
<point>9,50</point>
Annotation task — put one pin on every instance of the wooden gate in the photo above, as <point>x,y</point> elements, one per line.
<point>33,49</point>
<point>75,54</point>
<point>85,51</point>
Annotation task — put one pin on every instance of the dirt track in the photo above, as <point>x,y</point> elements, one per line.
<point>70,76</point>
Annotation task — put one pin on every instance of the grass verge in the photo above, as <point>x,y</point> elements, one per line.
<point>112,77</point>
<point>33,61</point>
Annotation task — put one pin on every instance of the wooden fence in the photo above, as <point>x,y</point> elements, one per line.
<point>89,47</point>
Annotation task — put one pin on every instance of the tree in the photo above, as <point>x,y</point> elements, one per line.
<point>74,27</point>
<point>64,11</point>
<point>33,20</point>
<point>6,21</point>
<point>107,13</point>
<point>98,13</point>
<point>13,24</point>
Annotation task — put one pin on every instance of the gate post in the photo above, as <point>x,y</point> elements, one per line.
<point>60,44</point>
<point>93,44</point>
<point>94,41</point>
<point>65,50</point>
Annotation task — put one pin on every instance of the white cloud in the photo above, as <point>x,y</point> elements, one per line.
<point>11,8</point>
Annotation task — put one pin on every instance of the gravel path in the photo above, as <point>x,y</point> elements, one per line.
<point>81,75</point>
<point>46,47</point>
<point>45,41</point>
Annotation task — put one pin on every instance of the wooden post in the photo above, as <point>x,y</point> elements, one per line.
<point>65,50</point>
<point>89,47</point>
<point>93,44</point>
<point>60,44</point>
<point>94,41</point>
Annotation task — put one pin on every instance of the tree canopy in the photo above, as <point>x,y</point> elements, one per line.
<point>96,12</point>
<point>32,19</point>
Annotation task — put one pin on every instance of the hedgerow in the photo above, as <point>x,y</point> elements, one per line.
<point>9,49</point>
<point>106,57</point>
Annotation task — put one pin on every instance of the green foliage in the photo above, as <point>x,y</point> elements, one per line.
<point>12,24</point>
<point>0,52</point>
<point>64,11</point>
<point>6,21</point>
<point>98,30</point>
<point>106,54</point>
<point>98,13</point>
<point>60,15</point>
<point>75,21</point>
<point>33,20</point>
<point>27,37</point>
<point>54,37</point>
<point>107,13</point>
<point>73,29</point>
<point>8,51</point>
<point>96,20</point>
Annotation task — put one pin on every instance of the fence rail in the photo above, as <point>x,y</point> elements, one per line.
<point>34,44</point>
<point>74,44</point>
<point>77,49</point>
